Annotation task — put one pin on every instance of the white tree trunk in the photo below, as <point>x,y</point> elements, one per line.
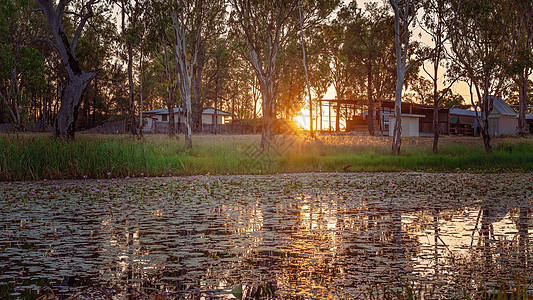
<point>401,43</point>
<point>397,134</point>
<point>185,77</point>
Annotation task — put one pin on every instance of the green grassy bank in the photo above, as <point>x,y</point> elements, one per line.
<point>30,156</point>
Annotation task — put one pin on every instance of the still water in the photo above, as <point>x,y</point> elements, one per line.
<point>306,236</point>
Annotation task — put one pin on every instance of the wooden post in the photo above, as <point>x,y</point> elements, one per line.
<point>329,116</point>
<point>320,103</point>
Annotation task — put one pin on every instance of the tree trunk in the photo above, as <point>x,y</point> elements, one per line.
<point>435,114</point>
<point>522,101</point>
<point>182,68</point>
<point>71,96</point>
<point>337,116</point>
<point>255,114</point>
<point>397,136</point>
<point>486,140</point>
<point>484,122</point>
<point>369,95</point>
<point>141,96</point>
<point>94,101</point>
<point>171,99</point>
<point>170,105</point>
<point>188,121</point>
<point>401,45</point>
<point>233,113</point>
<point>197,109</point>
<point>198,104</point>
<point>267,91</point>
<point>484,129</point>
<point>216,94</point>
<point>321,121</point>
<point>436,124</point>
<point>306,74</point>
<point>215,115</point>
<point>131,109</point>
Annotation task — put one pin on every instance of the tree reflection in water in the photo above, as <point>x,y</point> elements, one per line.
<point>283,236</point>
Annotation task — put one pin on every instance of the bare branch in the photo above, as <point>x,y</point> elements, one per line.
<point>48,41</point>
<point>61,7</point>
<point>427,73</point>
<point>84,19</point>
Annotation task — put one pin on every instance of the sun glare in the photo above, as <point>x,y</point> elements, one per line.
<point>302,119</point>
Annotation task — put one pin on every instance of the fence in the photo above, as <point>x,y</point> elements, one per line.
<point>163,127</point>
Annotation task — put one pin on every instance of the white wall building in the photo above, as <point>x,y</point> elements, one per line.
<point>155,118</point>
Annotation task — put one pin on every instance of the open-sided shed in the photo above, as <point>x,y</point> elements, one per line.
<point>502,120</point>
<point>424,115</point>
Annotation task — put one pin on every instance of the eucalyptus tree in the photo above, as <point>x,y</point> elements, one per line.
<point>405,12</point>
<point>420,91</point>
<point>78,79</point>
<point>131,25</point>
<point>243,89</point>
<point>266,26</point>
<point>368,43</point>
<point>214,49</point>
<point>340,75</point>
<point>191,21</point>
<point>477,38</point>
<point>291,87</point>
<point>22,69</point>
<point>160,38</point>
<point>184,24</point>
<point>96,51</point>
<point>516,22</point>
<point>217,78</point>
<point>437,21</point>
<point>319,63</point>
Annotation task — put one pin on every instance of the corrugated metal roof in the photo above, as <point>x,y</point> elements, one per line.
<point>462,112</point>
<point>499,107</point>
<point>211,111</point>
<point>161,111</point>
<point>502,107</point>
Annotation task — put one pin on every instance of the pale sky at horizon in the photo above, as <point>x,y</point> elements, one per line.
<point>459,88</point>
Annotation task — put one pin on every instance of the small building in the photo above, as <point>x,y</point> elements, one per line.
<point>424,114</point>
<point>502,120</point>
<point>355,115</point>
<point>410,125</point>
<point>157,120</point>
<point>463,122</point>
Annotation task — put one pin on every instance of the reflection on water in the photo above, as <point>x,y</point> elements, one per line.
<point>312,235</point>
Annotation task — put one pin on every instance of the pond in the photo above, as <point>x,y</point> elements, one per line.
<point>315,235</point>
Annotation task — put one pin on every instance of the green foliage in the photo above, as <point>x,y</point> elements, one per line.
<point>450,99</point>
<point>22,67</point>
<point>370,49</point>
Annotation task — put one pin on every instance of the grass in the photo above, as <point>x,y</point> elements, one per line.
<point>34,156</point>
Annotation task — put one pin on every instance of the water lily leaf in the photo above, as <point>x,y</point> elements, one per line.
<point>156,296</point>
<point>237,291</point>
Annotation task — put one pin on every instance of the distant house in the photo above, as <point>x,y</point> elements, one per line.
<point>157,120</point>
<point>502,120</point>
<point>417,119</point>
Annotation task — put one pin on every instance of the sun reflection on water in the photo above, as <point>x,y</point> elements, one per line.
<point>325,236</point>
